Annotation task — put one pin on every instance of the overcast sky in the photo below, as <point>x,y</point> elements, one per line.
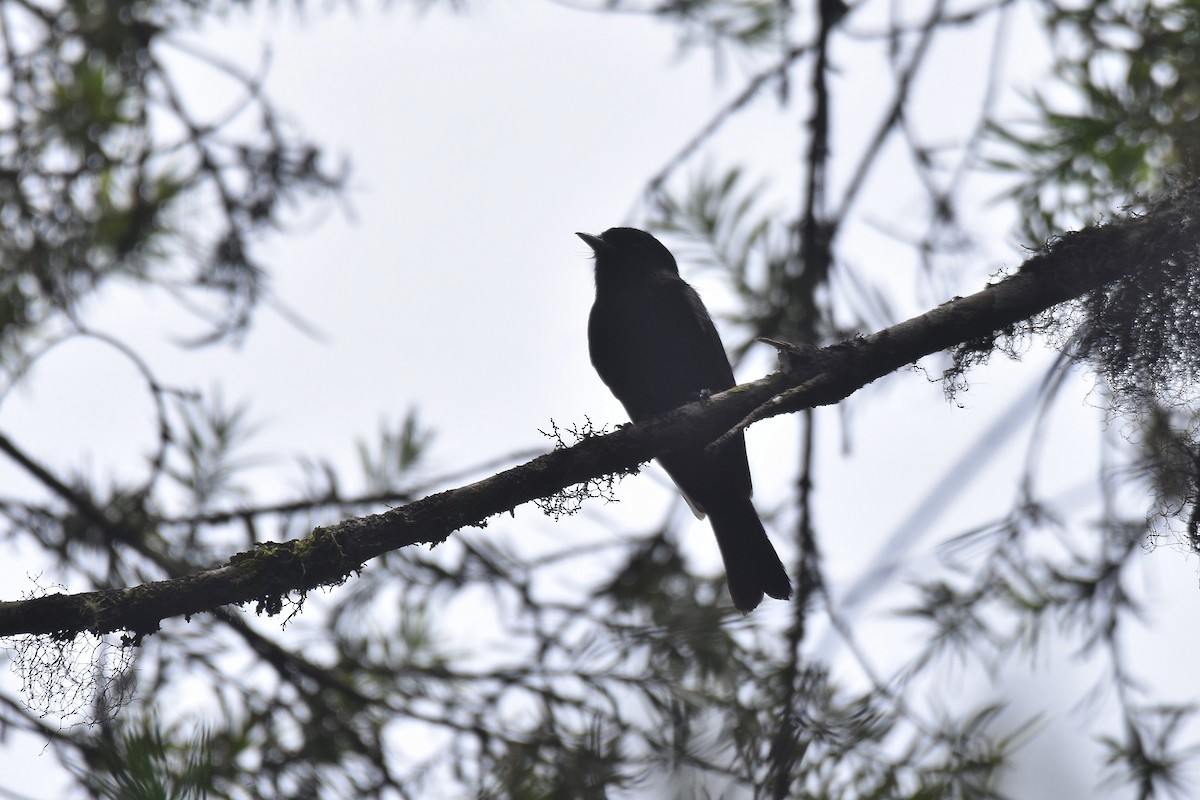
<point>448,278</point>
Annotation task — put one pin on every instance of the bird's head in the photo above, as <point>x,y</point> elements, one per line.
<point>630,249</point>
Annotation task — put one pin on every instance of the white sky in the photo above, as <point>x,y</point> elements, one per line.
<point>479,144</point>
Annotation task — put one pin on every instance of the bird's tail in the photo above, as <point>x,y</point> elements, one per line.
<point>752,567</point>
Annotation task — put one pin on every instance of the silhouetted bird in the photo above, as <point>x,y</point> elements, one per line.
<point>654,344</point>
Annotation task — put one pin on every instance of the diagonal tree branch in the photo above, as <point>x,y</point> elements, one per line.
<point>1166,238</point>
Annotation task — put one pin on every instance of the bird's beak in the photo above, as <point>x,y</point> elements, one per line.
<point>595,242</point>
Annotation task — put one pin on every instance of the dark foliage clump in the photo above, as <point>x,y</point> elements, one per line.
<point>1142,332</point>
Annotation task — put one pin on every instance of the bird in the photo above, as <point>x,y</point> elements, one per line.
<point>655,346</point>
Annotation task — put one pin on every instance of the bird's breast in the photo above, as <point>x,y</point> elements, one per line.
<point>651,361</point>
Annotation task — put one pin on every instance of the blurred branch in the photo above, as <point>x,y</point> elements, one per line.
<point>806,270</point>
<point>756,84</point>
<point>334,500</point>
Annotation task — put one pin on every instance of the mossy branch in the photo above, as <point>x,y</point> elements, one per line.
<point>1164,240</point>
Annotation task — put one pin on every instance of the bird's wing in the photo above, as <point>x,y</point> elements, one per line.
<point>696,336</point>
